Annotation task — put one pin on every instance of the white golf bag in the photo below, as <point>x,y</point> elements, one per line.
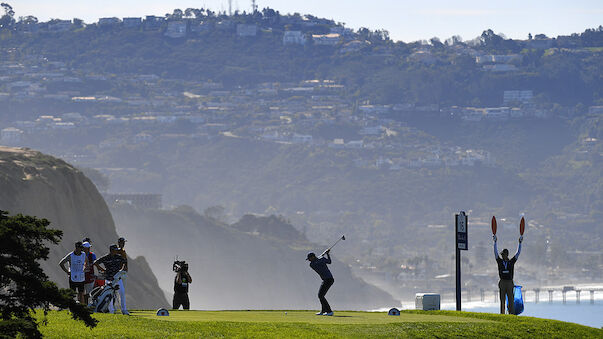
<point>102,296</point>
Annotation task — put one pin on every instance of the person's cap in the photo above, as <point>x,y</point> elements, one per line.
<point>86,239</point>
<point>86,244</point>
<point>113,247</point>
<point>310,255</point>
<point>122,239</point>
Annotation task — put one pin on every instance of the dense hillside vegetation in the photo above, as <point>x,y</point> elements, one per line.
<point>566,72</point>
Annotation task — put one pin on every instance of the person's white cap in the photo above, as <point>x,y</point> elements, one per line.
<point>86,244</point>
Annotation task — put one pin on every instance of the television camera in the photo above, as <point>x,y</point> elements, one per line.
<point>180,266</point>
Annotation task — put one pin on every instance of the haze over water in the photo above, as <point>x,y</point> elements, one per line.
<point>584,313</point>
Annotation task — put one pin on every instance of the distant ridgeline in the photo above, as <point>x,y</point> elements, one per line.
<point>36,184</point>
<point>266,46</point>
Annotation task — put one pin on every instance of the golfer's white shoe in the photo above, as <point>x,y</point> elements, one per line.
<point>125,312</point>
<point>328,313</point>
<point>320,313</point>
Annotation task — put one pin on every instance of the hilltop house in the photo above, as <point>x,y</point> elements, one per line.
<point>132,22</point>
<point>225,25</point>
<point>423,56</point>
<point>522,97</point>
<point>371,130</point>
<point>244,30</point>
<point>153,23</point>
<point>540,43</point>
<point>301,139</point>
<point>107,22</point>
<point>59,25</point>
<point>176,29</point>
<point>203,26</point>
<point>498,59</point>
<point>294,38</point>
<point>331,39</point>
<point>595,110</point>
<point>500,68</point>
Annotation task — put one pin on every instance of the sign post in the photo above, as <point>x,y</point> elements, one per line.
<point>461,244</point>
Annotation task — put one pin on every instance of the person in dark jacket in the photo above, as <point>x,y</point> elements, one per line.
<point>320,266</point>
<point>506,269</point>
<point>181,282</point>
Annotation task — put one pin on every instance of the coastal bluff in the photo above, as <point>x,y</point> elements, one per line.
<point>32,183</point>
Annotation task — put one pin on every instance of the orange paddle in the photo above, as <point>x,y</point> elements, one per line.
<point>493,225</point>
<point>522,226</point>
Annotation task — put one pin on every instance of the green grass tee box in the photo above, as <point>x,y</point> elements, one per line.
<point>303,317</point>
<point>305,324</point>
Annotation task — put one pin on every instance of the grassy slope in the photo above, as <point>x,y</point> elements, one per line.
<point>303,324</point>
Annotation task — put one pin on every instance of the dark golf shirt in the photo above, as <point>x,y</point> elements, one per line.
<point>113,264</point>
<point>320,266</point>
<point>506,268</point>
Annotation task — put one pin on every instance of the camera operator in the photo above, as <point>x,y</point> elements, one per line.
<point>181,282</point>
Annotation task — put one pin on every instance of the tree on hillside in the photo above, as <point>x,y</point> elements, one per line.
<point>490,40</point>
<point>24,287</point>
<point>176,15</point>
<point>28,20</point>
<point>78,23</point>
<point>7,20</point>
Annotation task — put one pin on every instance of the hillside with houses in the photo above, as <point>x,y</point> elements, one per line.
<point>338,129</point>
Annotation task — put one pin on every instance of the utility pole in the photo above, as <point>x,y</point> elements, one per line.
<point>254,6</point>
<point>229,7</point>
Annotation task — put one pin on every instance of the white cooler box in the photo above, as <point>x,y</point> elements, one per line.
<point>427,301</point>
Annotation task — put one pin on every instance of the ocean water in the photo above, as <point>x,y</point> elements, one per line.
<point>584,313</point>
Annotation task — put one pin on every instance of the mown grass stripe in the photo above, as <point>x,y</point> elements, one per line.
<point>303,324</point>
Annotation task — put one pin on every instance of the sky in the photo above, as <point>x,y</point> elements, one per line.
<point>405,20</point>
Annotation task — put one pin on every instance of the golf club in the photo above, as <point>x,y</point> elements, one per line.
<point>328,249</point>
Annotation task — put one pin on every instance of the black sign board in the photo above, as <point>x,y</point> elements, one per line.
<point>461,232</point>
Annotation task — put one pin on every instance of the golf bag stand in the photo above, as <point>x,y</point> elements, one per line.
<point>102,296</point>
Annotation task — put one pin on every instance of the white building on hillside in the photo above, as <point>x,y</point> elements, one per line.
<point>301,139</point>
<point>326,39</point>
<point>247,30</point>
<point>522,97</point>
<point>11,135</point>
<point>132,22</point>
<point>108,22</point>
<point>59,25</point>
<point>176,29</point>
<point>294,38</point>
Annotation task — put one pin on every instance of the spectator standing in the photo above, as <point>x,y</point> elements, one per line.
<point>77,265</point>
<point>89,276</point>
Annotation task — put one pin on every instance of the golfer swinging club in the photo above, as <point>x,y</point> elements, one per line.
<point>320,266</point>
<point>505,273</point>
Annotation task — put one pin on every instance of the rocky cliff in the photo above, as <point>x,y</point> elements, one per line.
<point>36,184</point>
